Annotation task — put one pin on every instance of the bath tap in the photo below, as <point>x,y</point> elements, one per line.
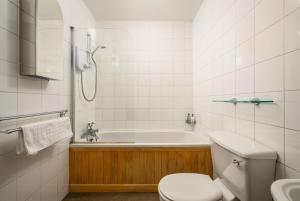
<point>91,133</point>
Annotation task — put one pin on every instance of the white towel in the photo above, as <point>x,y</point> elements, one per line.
<point>37,136</point>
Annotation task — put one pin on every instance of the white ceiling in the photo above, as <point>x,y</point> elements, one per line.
<point>143,9</point>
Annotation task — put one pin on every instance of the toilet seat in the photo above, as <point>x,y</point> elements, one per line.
<point>188,187</point>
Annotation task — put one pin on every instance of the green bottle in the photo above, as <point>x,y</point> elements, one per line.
<point>188,119</point>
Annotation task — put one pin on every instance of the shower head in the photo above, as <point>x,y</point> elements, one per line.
<point>96,49</point>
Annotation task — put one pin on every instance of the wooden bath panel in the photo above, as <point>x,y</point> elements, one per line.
<point>132,169</point>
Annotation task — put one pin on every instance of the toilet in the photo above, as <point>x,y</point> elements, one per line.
<point>244,170</point>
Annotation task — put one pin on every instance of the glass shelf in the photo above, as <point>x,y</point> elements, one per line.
<point>256,101</point>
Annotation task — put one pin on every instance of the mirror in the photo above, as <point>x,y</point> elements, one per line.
<point>42,39</point>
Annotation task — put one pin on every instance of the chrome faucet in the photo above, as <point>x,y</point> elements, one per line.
<point>91,133</point>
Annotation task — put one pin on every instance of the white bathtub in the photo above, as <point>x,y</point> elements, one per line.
<point>146,139</point>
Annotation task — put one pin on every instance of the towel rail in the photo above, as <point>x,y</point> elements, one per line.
<point>61,113</point>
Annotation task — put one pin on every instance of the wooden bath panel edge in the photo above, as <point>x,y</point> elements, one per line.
<point>120,188</point>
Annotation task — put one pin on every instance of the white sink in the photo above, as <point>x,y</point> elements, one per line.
<point>286,190</point>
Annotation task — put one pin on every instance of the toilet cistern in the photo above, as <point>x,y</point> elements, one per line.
<point>244,168</point>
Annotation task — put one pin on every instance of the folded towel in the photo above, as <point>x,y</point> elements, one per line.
<point>37,136</point>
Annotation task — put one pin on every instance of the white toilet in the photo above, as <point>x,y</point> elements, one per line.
<point>244,170</point>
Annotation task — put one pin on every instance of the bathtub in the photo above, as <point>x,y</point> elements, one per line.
<point>135,161</point>
<point>146,139</point>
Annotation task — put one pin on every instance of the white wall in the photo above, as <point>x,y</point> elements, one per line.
<point>145,74</point>
<point>43,176</point>
<point>246,49</point>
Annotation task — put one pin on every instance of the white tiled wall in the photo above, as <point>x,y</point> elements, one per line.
<point>145,74</point>
<point>45,175</point>
<point>246,49</point>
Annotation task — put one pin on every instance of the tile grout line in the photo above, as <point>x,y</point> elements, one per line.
<point>284,93</point>
<point>254,53</point>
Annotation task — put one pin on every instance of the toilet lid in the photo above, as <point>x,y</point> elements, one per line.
<point>189,187</point>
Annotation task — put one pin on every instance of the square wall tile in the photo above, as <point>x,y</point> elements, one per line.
<point>292,149</point>
<point>9,104</point>
<point>29,85</point>
<point>291,173</point>
<point>11,47</point>
<point>285,172</point>
<point>269,43</point>
<point>8,192</point>
<point>245,111</point>
<point>2,40</point>
<point>292,110</point>
<point>270,113</point>
<point>245,28</point>
<point>243,7</point>
<point>245,80</point>
<point>292,31</point>
<point>50,103</point>
<point>228,83</point>
<point>292,71</point>
<point>8,83</point>
<point>48,166</point>
<point>228,40</point>
<point>27,163</point>
<point>228,109</point>
<point>8,168</point>
<point>2,13</point>
<point>267,12</point>
<point>8,142</point>
<point>271,136</point>
<point>291,5</point>
<point>49,190</point>
<point>229,124</point>
<point>63,183</point>
<point>36,196</point>
<point>280,171</point>
<point>24,188</point>
<point>245,54</point>
<point>269,75</point>
<point>29,103</point>
<point>245,128</point>
<point>50,87</point>
<point>9,69</point>
<point>229,62</point>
